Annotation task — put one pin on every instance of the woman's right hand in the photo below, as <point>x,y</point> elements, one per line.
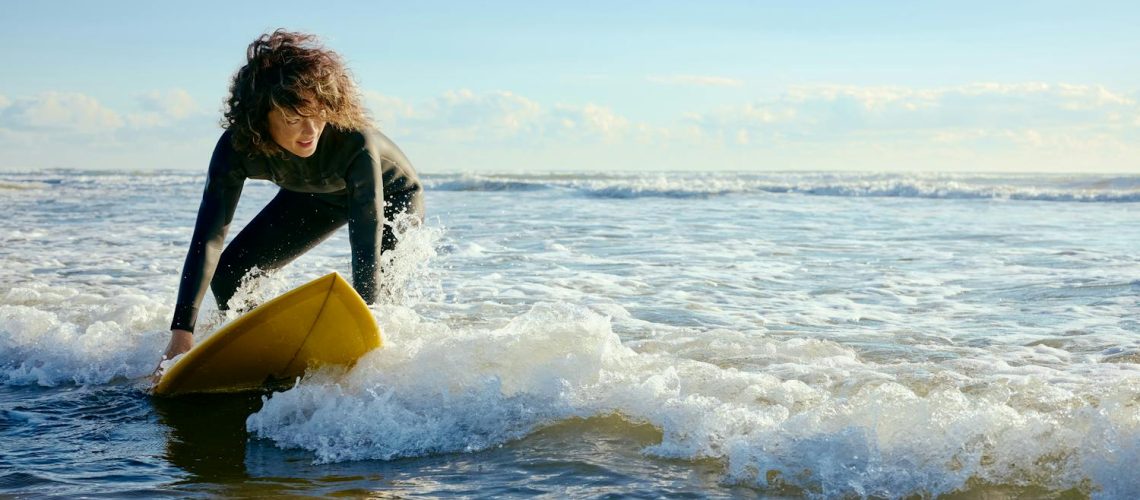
<point>180,342</point>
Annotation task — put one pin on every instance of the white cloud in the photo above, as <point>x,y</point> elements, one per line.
<point>1028,126</point>
<point>69,129</point>
<point>60,111</point>
<point>147,120</point>
<point>387,110</point>
<point>976,118</point>
<point>162,108</point>
<point>73,112</point>
<point>590,121</point>
<point>458,115</point>
<point>836,112</point>
<point>499,116</point>
<point>175,103</point>
<point>695,80</point>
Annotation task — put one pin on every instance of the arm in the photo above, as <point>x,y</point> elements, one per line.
<point>223,188</point>
<point>365,222</point>
<point>381,184</point>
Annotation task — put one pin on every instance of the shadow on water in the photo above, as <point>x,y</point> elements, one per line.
<point>207,440</point>
<point>207,433</point>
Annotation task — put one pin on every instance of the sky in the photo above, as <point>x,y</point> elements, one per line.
<point>535,86</point>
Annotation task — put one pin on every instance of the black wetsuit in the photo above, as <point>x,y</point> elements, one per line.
<point>358,178</point>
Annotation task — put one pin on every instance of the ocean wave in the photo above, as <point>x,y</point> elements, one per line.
<point>94,179</point>
<point>954,190</point>
<point>91,344</point>
<point>22,186</point>
<point>819,421</point>
<point>1096,189</point>
<point>482,184</point>
<point>1004,187</point>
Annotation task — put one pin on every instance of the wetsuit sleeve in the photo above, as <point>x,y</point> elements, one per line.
<point>365,221</point>
<point>223,188</point>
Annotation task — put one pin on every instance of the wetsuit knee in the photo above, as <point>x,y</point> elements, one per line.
<point>225,284</point>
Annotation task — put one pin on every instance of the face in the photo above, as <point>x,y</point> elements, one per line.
<point>297,134</point>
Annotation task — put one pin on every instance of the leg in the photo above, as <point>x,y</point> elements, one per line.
<point>290,225</point>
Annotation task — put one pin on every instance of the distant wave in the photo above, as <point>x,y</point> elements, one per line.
<point>484,184</point>
<point>996,187</point>
<point>1009,187</point>
<point>903,189</point>
<point>20,186</point>
<point>97,178</point>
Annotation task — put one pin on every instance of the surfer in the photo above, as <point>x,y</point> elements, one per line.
<point>294,117</point>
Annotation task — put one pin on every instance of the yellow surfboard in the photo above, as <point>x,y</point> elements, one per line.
<point>321,322</point>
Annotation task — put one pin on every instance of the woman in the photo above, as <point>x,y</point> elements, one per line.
<point>293,117</point>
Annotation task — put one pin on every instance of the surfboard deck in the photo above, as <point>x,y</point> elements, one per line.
<point>319,323</point>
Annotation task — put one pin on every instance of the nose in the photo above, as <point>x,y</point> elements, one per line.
<point>309,127</point>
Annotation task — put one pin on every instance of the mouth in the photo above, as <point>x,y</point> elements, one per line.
<point>307,144</point>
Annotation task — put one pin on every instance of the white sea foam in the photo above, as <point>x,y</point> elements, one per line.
<point>94,341</point>
<point>819,419</point>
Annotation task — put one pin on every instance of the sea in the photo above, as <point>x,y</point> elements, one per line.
<point>604,335</point>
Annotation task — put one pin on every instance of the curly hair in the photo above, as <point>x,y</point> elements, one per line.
<point>290,71</point>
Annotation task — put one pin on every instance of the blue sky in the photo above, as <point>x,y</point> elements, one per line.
<point>538,86</point>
